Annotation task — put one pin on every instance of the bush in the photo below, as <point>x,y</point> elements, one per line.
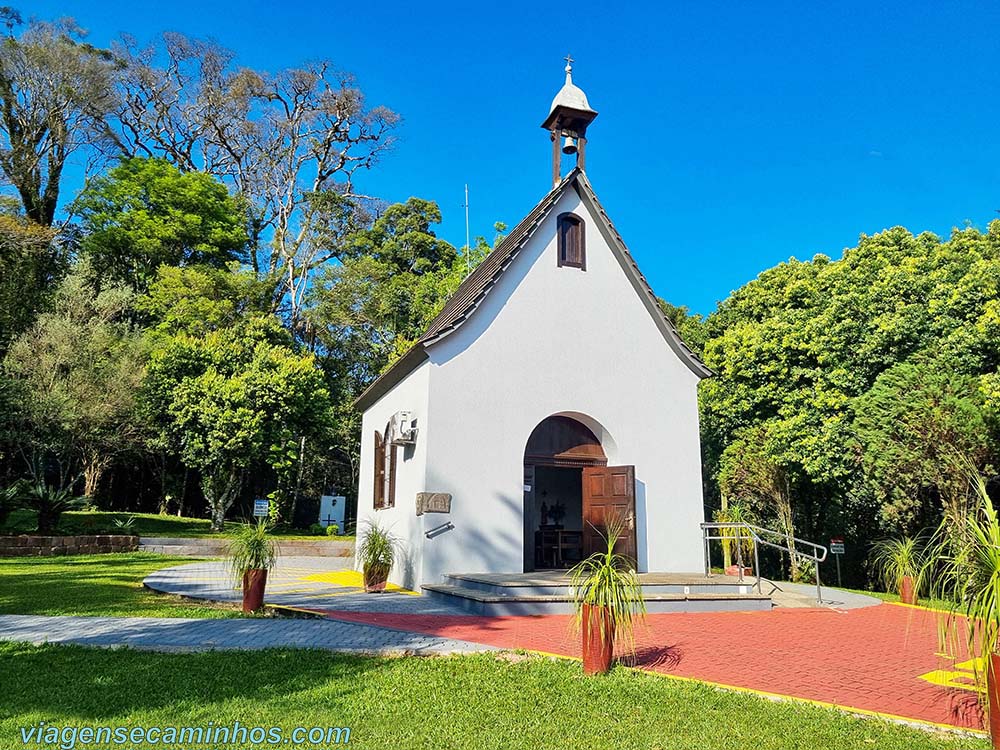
<point>333,530</point>
<point>317,529</point>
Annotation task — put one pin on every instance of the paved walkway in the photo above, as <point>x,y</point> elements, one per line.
<point>881,659</point>
<point>297,582</point>
<point>176,634</point>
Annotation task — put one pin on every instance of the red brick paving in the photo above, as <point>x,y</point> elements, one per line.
<point>869,659</point>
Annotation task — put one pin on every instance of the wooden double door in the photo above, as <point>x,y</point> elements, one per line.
<point>609,493</point>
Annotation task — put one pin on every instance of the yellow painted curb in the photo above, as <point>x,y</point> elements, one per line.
<point>790,698</point>
<point>920,606</point>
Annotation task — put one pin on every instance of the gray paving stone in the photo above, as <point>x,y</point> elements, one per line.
<point>192,635</point>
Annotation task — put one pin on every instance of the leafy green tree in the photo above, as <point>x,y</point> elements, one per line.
<point>146,213</point>
<point>750,474</point>
<point>917,429</point>
<point>78,369</point>
<point>797,348</point>
<point>32,260</point>
<point>199,299</point>
<point>392,280</point>
<point>691,326</point>
<point>227,398</point>
<point>367,311</point>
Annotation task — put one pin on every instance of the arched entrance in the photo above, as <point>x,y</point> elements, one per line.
<point>568,490</point>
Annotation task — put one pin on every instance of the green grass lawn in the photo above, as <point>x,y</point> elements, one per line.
<point>476,702</point>
<point>890,597</point>
<point>146,524</point>
<point>95,585</point>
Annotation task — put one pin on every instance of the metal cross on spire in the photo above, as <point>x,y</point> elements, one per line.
<point>569,63</point>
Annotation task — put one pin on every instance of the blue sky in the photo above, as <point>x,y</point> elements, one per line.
<point>731,136</point>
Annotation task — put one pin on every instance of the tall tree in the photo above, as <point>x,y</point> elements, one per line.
<point>145,213</point>
<point>290,143</point>
<point>32,260</point>
<point>799,350</point>
<point>55,90</point>
<point>365,312</point>
<point>749,472</point>
<point>197,299</point>
<point>79,367</point>
<point>918,428</point>
<point>235,398</point>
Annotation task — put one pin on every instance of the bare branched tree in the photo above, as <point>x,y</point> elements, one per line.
<point>55,91</point>
<point>289,143</point>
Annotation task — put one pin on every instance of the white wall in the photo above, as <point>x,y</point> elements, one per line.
<point>410,394</point>
<point>550,340</point>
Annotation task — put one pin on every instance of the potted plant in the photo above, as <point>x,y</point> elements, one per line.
<point>608,598</point>
<point>376,553</point>
<point>899,564</point>
<point>252,553</point>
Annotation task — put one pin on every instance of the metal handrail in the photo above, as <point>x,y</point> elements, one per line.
<point>818,554</point>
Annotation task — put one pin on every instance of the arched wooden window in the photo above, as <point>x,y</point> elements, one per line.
<point>572,249</point>
<point>385,471</point>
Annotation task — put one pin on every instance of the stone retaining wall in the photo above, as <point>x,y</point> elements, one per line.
<point>41,546</point>
<point>217,547</point>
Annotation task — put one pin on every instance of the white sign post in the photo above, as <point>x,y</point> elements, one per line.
<point>837,549</point>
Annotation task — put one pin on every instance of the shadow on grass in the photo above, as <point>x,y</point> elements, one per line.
<point>87,585</point>
<point>94,684</point>
<point>653,657</point>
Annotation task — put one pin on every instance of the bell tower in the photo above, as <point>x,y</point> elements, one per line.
<point>567,123</point>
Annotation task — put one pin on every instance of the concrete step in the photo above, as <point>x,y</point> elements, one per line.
<point>217,547</point>
<point>548,584</point>
<point>480,602</point>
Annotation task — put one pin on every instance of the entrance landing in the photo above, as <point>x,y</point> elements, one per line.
<point>549,592</point>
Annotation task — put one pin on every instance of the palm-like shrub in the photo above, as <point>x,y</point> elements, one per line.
<point>737,543</point>
<point>966,572</point>
<point>252,548</point>
<point>50,503</point>
<point>896,559</point>
<point>606,587</point>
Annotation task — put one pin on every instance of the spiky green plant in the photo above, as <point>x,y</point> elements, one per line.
<point>734,539</point>
<point>378,547</point>
<point>895,559</point>
<point>965,570</point>
<point>124,524</point>
<point>609,581</point>
<point>252,548</point>
<point>50,503</point>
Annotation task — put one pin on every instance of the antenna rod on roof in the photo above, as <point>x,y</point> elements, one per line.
<point>468,247</point>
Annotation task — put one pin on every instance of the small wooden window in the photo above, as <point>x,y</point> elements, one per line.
<point>385,472</point>
<point>572,249</point>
